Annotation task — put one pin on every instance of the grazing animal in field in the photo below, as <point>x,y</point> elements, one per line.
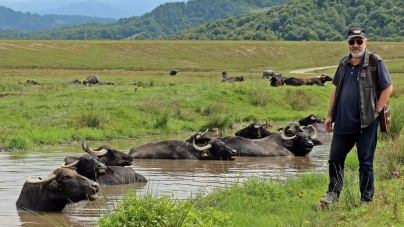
<point>173,72</point>
<point>266,74</point>
<point>108,155</point>
<point>53,193</point>
<point>318,80</point>
<point>277,81</point>
<point>224,74</point>
<point>91,80</point>
<point>292,81</point>
<point>33,82</point>
<point>90,167</point>
<point>233,79</point>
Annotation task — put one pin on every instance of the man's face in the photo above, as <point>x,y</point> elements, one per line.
<point>357,46</point>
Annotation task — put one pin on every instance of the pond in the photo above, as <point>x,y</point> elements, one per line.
<point>179,178</point>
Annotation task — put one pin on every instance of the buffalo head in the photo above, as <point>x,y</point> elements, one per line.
<point>299,140</point>
<point>215,150</point>
<point>255,131</point>
<point>108,155</point>
<point>55,191</point>
<point>86,165</point>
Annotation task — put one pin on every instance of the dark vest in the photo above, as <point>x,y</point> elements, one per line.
<point>368,99</point>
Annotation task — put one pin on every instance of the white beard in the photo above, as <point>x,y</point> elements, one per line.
<point>358,54</point>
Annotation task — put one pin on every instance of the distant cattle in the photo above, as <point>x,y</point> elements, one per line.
<point>233,79</point>
<point>75,82</point>
<point>33,82</point>
<point>277,81</point>
<point>224,74</point>
<point>266,74</point>
<point>318,80</point>
<point>91,80</point>
<point>173,72</point>
<point>292,81</point>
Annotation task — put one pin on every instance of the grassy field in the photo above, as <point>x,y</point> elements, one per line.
<point>57,112</point>
<point>145,99</point>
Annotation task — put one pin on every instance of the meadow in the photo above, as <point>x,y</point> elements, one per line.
<point>146,100</point>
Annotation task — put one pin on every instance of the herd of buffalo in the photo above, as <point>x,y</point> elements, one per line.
<point>80,178</point>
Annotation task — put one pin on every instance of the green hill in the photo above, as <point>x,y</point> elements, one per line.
<point>308,20</point>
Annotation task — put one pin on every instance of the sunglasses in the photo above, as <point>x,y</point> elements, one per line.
<point>358,41</point>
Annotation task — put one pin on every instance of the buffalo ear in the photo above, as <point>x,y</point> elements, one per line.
<point>54,186</point>
<point>110,171</point>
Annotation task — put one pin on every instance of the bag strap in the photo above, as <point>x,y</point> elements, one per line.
<point>373,69</point>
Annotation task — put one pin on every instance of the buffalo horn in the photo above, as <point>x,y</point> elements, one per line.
<point>314,131</point>
<point>87,149</point>
<point>70,165</point>
<point>284,137</point>
<point>202,135</point>
<point>208,146</point>
<point>35,181</point>
<point>257,125</point>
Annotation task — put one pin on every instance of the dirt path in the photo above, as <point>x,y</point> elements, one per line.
<point>307,71</point>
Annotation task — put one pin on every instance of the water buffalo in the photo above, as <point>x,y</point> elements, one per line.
<point>33,82</point>
<point>176,149</point>
<point>52,194</point>
<point>318,80</point>
<point>315,121</point>
<point>108,155</point>
<point>266,74</point>
<point>292,140</point>
<point>233,79</point>
<point>255,131</point>
<point>277,81</point>
<point>224,74</point>
<point>173,72</point>
<point>91,80</point>
<point>90,167</point>
<point>292,81</point>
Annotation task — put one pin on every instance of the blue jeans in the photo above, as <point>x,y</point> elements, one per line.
<point>341,145</point>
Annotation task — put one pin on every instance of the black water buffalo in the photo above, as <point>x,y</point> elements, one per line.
<point>91,80</point>
<point>52,194</point>
<point>173,72</point>
<point>255,131</point>
<point>292,140</point>
<point>317,122</point>
<point>277,81</point>
<point>90,167</point>
<point>292,81</point>
<point>33,82</point>
<point>233,79</point>
<point>75,82</point>
<point>266,74</point>
<point>108,155</point>
<point>318,80</point>
<point>224,74</point>
<point>176,149</point>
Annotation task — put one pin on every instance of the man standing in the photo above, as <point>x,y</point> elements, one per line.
<point>354,109</point>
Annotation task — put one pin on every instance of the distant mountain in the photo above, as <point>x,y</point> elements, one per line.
<point>126,8</point>
<point>88,8</point>
<point>27,22</point>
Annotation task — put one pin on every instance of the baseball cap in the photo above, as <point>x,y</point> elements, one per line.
<point>356,32</point>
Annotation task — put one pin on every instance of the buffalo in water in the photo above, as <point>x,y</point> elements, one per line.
<point>91,80</point>
<point>90,167</point>
<point>108,155</point>
<point>292,140</point>
<point>53,193</point>
<point>255,131</point>
<point>315,121</point>
<point>176,149</point>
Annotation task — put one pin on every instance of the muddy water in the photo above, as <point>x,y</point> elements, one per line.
<point>168,177</point>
